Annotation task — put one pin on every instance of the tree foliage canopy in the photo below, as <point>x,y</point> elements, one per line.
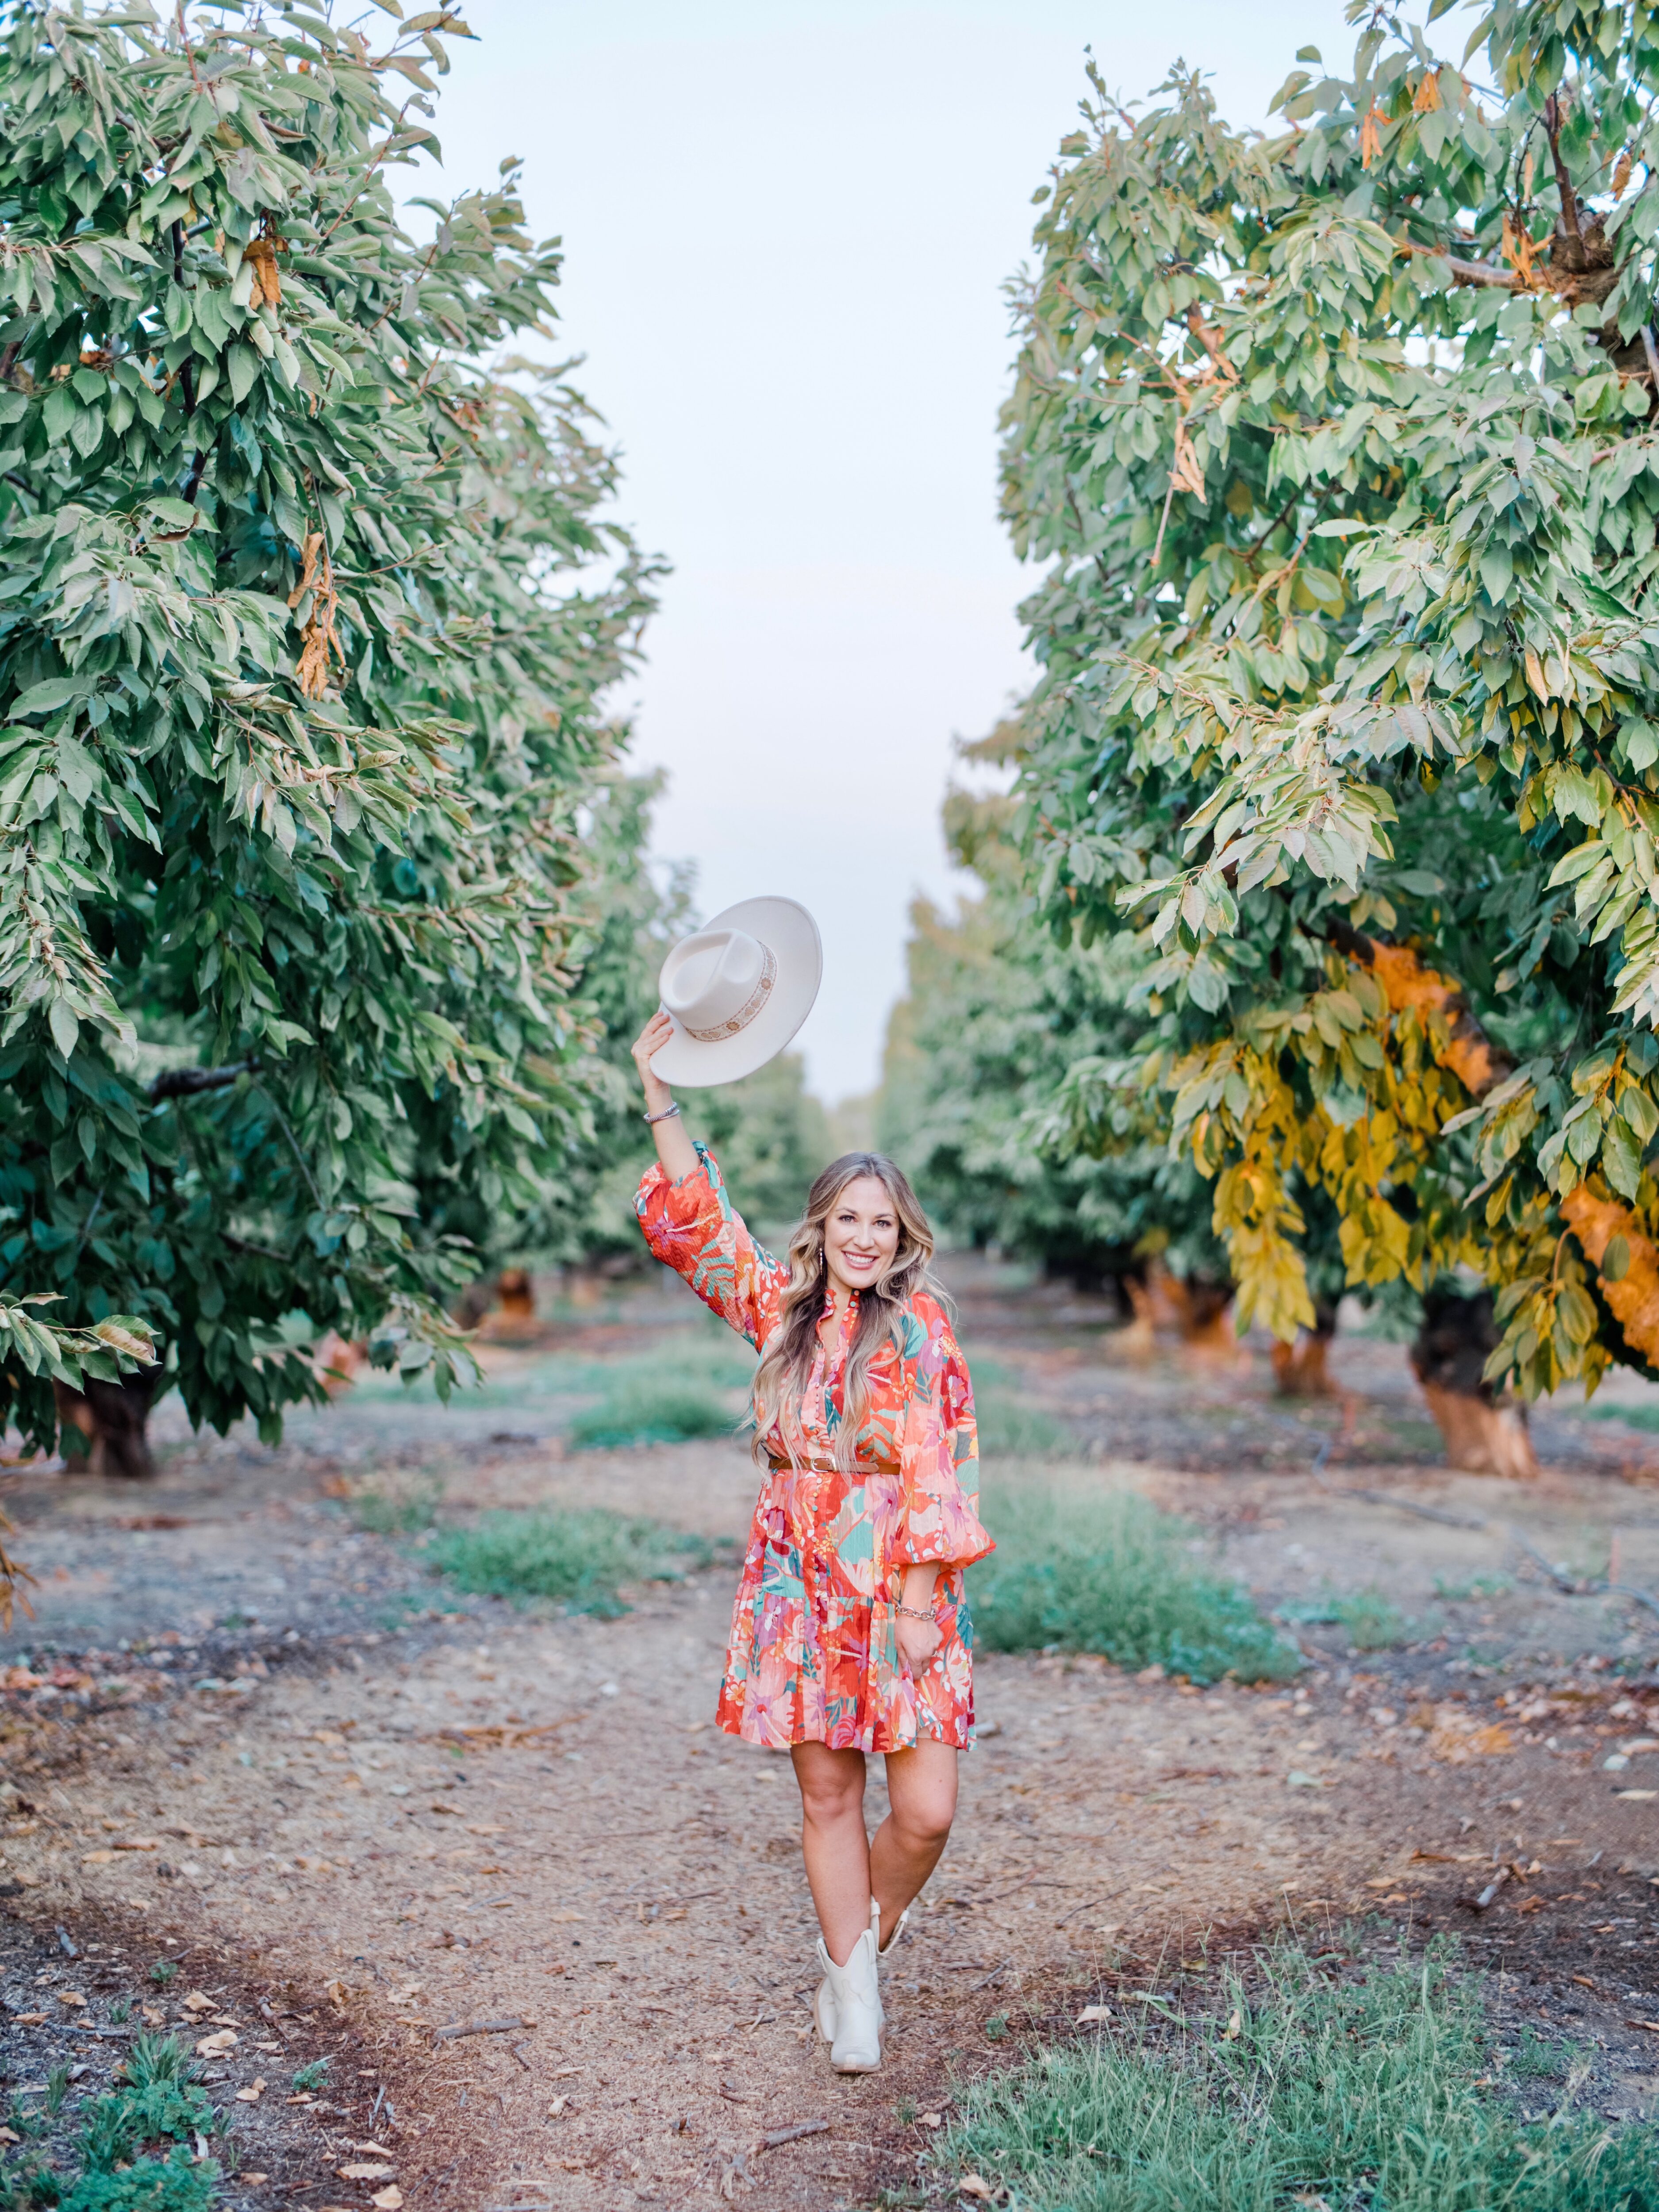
<point>1339,445</point>
<point>298,687</point>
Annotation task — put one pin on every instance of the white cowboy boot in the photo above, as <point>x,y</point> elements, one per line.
<point>848,2008</point>
<point>893,1940</point>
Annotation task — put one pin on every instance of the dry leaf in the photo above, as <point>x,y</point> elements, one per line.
<point>1371,138</point>
<point>28,2019</point>
<point>138,1844</point>
<point>556,2108</point>
<point>211,2046</point>
<point>6,2135</point>
<point>387,2200</point>
<point>1093,2013</point>
<point>98,1858</point>
<point>373,2150</point>
<point>154,2016</point>
<point>71,1997</point>
<point>974,2184</point>
<point>364,2169</point>
<point>252,2180</point>
<point>196,2002</point>
<point>1637,1796</point>
<point>1234,2028</point>
<point>931,2119</point>
<point>337,1994</point>
<point>252,2093</point>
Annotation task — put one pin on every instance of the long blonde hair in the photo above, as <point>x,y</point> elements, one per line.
<point>786,1362</point>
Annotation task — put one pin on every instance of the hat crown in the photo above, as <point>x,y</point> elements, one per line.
<point>711,981</point>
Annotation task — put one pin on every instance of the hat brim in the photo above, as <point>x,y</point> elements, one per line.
<point>793,934</point>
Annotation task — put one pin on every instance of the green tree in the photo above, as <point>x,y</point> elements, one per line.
<point>996,1014</point>
<point>1338,445</point>
<point>300,678</point>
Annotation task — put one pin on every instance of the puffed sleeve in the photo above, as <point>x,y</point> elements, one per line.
<point>692,1227</point>
<point>939,1457</point>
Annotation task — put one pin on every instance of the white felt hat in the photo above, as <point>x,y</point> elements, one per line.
<point>738,991</point>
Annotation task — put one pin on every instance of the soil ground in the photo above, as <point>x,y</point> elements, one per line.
<point>267,1777</point>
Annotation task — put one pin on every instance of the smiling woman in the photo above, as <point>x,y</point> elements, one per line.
<point>850,1633</point>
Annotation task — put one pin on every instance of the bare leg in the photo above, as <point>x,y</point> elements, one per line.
<point>921,1790</point>
<point>834,1843</point>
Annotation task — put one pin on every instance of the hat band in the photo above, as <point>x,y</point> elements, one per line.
<point>751,1005</point>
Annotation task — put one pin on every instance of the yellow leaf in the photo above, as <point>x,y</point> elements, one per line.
<point>1428,93</point>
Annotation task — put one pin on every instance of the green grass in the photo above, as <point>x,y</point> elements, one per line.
<point>1372,1623</point>
<point>1111,1574</point>
<point>654,1408</point>
<point>578,1560</point>
<point>132,2152</point>
<point>1011,1424</point>
<point>1366,2095</point>
<point>1633,1417</point>
<point>388,1513</point>
<point>1477,1586</point>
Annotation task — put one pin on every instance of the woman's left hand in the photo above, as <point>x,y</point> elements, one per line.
<point>918,1640</point>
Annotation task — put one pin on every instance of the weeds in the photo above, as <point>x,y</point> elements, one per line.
<point>1367,2094</point>
<point>163,1971</point>
<point>311,2077</point>
<point>653,1408</point>
<point>385,1513</point>
<point>1109,1574</point>
<point>160,2108</point>
<point>579,1559</point>
<point>1373,1625</point>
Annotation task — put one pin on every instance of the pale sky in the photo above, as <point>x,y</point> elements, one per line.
<point>787,224</point>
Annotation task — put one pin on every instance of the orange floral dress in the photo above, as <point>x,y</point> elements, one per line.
<point>813,1656</point>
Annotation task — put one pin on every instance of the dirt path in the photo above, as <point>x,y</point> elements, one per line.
<point>364,1811</point>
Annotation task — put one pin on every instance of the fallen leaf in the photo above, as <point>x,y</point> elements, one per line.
<point>1093,2013</point>
<point>252,2093</point>
<point>1651,2026</point>
<point>337,1994</point>
<point>364,2169</point>
<point>196,2002</point>
<point>210,2046</point>
<point>567,1915</point>
<point>1234,2028</point>
<point>6,2135</point>
<point>71,1997</point>
<point>1638,1797</point>
<point>387,2200</point>
<point>154,2016</point>
<point>99,1858</point>
<point>301,2099</point>
<point>28,2019</point>
<point>486,1828</point>
<point>1296,1779</point>
<point>373,2150</point>
<point>138,1844</point>
<point>931,2119</point>
<point>252,2180</point>
<point>974,2184</point>
<point>556,2108</point>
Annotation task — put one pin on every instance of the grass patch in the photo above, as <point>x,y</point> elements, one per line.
<point>1477,1586</point>
<point>1012,1427</point>
<point>1633,1417</point>
<point>134,2150</point>
<point>1373,1625</point>
<point>397,1513</point>
<point>578,1560</point>
<point>1114,1575</point>
<point>651,1408</point>
<point>1371,2093</point>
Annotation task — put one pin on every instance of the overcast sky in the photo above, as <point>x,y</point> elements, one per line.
<point>787,224</point>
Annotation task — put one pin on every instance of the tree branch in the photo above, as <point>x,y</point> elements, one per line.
<point>1563,181</point>
<point>190,1082</point>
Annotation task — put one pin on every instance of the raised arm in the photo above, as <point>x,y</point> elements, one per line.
<point>689,1221</point>
<point>674,1146</point>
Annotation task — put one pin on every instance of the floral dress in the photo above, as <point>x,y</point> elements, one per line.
<point>813,1656</point>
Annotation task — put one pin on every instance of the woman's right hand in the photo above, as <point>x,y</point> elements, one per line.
<point>674,1146</point>
<point>650,1040</point>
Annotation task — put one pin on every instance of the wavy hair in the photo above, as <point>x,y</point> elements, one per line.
<point>786,1363</point>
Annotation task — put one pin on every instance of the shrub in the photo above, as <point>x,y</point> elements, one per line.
<point>1110,1574</point>
<point>578,1558</point>
<point>1375,2092</point>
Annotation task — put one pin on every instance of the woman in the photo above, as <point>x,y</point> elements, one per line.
<point>850,1633</point>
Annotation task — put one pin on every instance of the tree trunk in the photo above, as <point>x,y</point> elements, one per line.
<point>1195,1311</point>
<point>111,1417</point>
<point>1299,1370</point>
<point>1483,1434</point>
